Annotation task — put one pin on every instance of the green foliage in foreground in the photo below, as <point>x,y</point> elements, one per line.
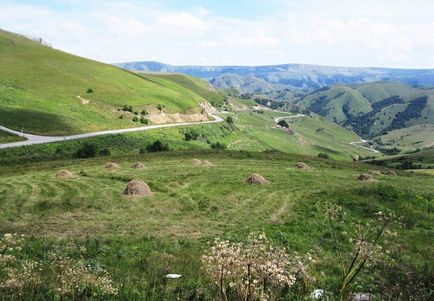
<point>140,240</point>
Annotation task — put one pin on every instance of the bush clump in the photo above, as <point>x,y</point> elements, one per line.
<point>157,146</point>
<point>88,150</point>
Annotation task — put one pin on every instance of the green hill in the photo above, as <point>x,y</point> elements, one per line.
<point>47,91</point>
<point>373,109</point>
<point>198,86</point>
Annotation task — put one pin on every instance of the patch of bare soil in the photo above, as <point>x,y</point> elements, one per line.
<point>137,188</point>
<point>257,179</point>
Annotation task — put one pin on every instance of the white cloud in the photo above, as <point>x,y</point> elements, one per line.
<point>388,33</point>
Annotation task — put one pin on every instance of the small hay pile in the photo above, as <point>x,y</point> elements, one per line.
<point>138,165</point>
<point>64,174</point>
<point>391,173</point>
<point>137,188</point>
<point>302,165</point>
<point>257,179</point>
<point>375,172</point>
<point>111,165</point>
<point>365,177</point>
<point>201,162</point>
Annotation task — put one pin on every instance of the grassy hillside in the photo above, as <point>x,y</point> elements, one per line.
<point>249,132</point>
<point>373,109</point>
<point>6,137</point>
<point>40,86</point>
<point>139,240</point>
<point>198,86</point>
<point>411,138</point>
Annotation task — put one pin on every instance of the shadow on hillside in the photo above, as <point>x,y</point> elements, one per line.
<point>34,122</point>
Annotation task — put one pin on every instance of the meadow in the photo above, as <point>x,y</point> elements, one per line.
<point>140,240</point>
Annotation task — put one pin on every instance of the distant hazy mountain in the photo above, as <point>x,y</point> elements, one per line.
<point>293,76</point>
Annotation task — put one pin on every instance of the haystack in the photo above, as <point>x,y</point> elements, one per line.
<point>196,162</point>
<point>391,173</point>
<point>257,179</point>
<point>111,165</point>
<point>206,163</point>
<point>365,177</point>
<point>375,172</point>
<point>302,165</point>
<point>137,188</point>
<point>138,165</point>
<point>201,162</point>
<point>64,174</point>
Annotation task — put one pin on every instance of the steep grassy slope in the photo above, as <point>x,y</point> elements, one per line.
<point>39,89</point>
<point>373,109</point>
<point>198,86</point>
<point>140,240</point>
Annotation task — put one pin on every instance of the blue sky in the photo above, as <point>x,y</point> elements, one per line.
<point>379,33</point>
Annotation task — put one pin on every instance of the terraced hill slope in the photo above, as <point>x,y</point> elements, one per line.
<point>47,91</point>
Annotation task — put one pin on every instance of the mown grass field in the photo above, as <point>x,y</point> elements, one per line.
<point>39,88</point>
<point>139,240</point>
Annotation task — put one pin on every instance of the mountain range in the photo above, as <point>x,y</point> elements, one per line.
<point>303,77</point>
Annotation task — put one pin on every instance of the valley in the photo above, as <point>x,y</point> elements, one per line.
<point>146,181</point>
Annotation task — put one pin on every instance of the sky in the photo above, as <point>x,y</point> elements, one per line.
<point>370,33</point>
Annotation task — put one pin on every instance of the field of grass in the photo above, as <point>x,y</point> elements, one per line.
<point>411,138</point>
<point>39,88</point>
<point>139,240</point>
<point>7,138</point>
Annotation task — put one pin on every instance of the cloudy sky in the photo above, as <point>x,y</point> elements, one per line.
<point>386,33</point>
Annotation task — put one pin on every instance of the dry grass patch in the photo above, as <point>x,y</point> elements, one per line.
<point>365,177</point>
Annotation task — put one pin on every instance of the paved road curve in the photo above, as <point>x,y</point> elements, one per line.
<point>36,139</point>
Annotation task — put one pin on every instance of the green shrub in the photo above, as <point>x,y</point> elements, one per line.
<point>89,91</point>
<point>323,156</point>
<point>157,146</point>
<point>135,119</point>
<point>144,112</point>
<point>143,120</point>
<point>88,150</point>
<point>229,120</point>
<point>104,152</point>
<point>218,145</point>
<point>283,124</point>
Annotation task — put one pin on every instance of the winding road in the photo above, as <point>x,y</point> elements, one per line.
<point>36,139</point>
